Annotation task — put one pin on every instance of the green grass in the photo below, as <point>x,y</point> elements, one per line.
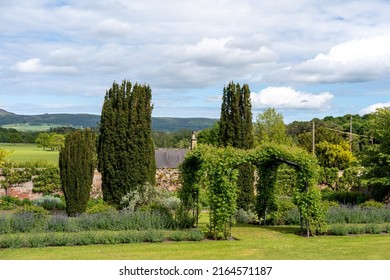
<point>26,127</point>
<point>29,152</point>
<point>272,243</point>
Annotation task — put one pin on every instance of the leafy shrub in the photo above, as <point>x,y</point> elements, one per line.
<point>50,202</point>
<point>338,229</point>
<point>11,241</point>
<point>292,217</point>
<point>38,211</point>
<point>387,228</point>
<point>283,205</point>
<point>327,204</point>
<point>5,226</point>
<point>246,217</point>
<point>195,235</point>
<point>178,236</point>
<point>9,202</point>
<point>143,195</point>
<point>346,197</point>
<point>172,203</point>
<point>372,228</point>
<point>154,236</point>
<point>355,229</point>
<point>372,204</point>
<point>184,220</point>
<point>99,208</point>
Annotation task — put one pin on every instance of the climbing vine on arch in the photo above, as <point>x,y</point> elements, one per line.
<point>214,171</point>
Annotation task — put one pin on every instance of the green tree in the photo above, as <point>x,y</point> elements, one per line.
<point>376,157</point>
<point>125,149</point>
<point>270,128</point>
<point>56,141</point>
<point>334,155</point>
<point>43,140</point>
<point>235,130</point>
<point>322,134</point>
<point>77,165</point>
<point>209,135</point>
<point>15,137</point>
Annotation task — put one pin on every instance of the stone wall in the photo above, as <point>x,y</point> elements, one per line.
<point>166,178</point>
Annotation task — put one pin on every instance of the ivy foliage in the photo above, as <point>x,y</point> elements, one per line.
<point>214,171</point>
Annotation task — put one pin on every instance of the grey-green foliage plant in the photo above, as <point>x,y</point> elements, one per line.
<point>125,147</point>
<point>142,195</point>
<point>50,202</point>
<point>77,165</point>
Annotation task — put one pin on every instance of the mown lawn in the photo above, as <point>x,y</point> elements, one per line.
<point>29,152</point>
<point>272,243</point>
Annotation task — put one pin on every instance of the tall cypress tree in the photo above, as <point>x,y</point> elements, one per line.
<point>126,150</point>
<point>235,129</point>
<point>77,165</point>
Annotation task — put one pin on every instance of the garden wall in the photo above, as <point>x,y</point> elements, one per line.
<point>166,178</point>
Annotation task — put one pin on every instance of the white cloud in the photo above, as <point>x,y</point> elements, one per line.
<point>288,98</point>
<point>113,28</point>
<point>184,47</point>
<point>34,65</point>
<point>226,52</point>
<point>353,61</point>
<point>372,108</point>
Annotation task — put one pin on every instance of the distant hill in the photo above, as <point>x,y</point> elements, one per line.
<point>174,124</point>
<point>89,120</point>
<point>5,113</point>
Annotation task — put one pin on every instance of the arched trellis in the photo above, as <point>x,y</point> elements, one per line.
<point>213,170</point>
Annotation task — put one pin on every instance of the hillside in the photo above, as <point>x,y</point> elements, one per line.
<point>88,120</point>
<point>5,113</point>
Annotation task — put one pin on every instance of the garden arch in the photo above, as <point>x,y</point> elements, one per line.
<point>212,171</point>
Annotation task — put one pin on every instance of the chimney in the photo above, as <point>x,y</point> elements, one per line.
<point>194,141</point>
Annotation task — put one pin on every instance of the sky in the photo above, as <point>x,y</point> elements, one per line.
<point>306,58</point>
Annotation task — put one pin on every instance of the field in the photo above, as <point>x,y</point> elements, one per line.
<point>30,127</point>
<point>254,243</point>
<point>29,152</point>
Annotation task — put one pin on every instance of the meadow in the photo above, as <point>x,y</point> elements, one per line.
<point>28,153</point>
<point>252,243</point>
<point>27,127</point>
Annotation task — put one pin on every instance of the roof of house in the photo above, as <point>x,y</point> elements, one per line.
<point>169,158</point>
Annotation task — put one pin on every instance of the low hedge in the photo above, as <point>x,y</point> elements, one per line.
<point>345,229</point>
<point>43,239</point>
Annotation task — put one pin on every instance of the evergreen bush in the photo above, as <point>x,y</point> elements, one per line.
<point>77,165</point>
<point>125,148</point>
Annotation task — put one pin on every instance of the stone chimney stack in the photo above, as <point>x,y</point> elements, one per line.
<point>194,141</point>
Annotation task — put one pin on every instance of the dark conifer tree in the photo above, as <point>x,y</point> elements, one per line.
<point>77,165</point>
<point>235,129</point>
<point>126,150</point>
